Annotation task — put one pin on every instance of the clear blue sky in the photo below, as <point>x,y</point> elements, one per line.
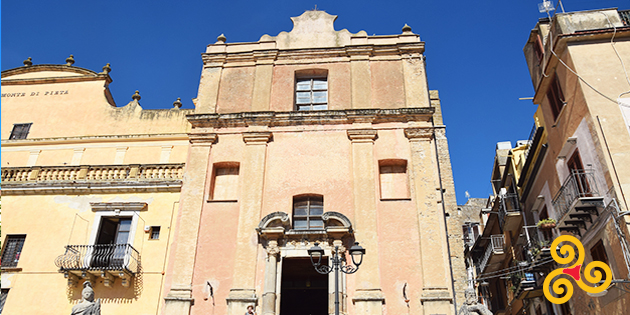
<point>473,48</point>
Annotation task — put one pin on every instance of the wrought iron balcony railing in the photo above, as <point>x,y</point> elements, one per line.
<point>105,257</point>
<point>508,204</point>
<point>625,17</point>
<point>496,246</point>
<point>579,184</point>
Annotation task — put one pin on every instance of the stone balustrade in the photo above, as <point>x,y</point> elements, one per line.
<point>93,173</point>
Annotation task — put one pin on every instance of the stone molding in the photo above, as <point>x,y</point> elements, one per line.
<point>419,133</point>
<point>432,294</point>
<point>202,138</point>
<point>247,54</point>
<point>112,206</point>
<point>362,135</point>
<point>318,117</point>
<point>368,295</point>
<point>242,295</point>
<point>257,137</point>
<point>83,75</point>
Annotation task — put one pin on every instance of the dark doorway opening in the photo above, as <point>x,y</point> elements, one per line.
<point>304,291</point>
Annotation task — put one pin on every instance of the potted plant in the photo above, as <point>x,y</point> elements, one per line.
<point>546,224</point>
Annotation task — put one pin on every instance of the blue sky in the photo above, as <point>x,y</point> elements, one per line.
<point>473,49</point>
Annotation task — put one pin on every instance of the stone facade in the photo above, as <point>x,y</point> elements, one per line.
<point>341,122</point>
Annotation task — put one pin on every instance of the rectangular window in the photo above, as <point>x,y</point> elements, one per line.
<point>555,98</point>
<point>20,131</point>
<point>12,250</point>
<point>311,94</point>
<point>307,213</point>
<point>225,183</point>
<point>393,179</point>
<point>155,233</point>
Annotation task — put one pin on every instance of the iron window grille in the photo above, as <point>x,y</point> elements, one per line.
<point>12,250</point>
<point>20,131</point>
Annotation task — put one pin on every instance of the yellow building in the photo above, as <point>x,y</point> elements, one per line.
<point>90,191</point>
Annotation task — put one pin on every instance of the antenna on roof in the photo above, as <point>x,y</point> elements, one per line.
<point>546,6</point>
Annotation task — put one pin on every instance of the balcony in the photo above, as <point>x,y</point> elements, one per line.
<point>495,252</point>
<point>625,17</point>
<point>509,212</point>
<point>89,178</point>
<point>578,201</point>
<point>107,261</point>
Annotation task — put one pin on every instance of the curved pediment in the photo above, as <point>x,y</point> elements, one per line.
<point>47,72</point>
<point>312,29</point>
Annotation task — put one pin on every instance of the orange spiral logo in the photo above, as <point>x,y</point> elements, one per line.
<point>563,287</point>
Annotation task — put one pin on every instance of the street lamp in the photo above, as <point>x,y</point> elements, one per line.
<point>356,252</point>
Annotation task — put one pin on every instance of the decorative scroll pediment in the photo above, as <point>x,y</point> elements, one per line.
<point>280,223</point>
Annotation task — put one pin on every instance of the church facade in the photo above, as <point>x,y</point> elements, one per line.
<point>313,137</point>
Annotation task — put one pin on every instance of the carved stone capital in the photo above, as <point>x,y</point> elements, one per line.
<point>272,248</point>
<point>202,138</point>
<point>362,135</point>
<point>257,137</point>
<point>419,134</point>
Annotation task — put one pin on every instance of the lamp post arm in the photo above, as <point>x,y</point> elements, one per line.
<point>323,269</point>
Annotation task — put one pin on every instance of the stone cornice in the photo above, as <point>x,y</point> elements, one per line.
<point>78,188</point>
<point>325,117</point>
<point>94,139</point>
<point>245,57</point>
<point>419,133</point>
<point>83,75</point>
<point>256,137</point>
<point>123,206</point>
<point>198,138</point>
<point>362,135</point>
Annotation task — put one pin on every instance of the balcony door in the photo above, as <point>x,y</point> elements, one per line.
<point>577,171</point>
<point>111,242</point>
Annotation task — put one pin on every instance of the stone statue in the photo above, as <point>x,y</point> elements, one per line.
<point>87,306</point>
<point>472,305</point>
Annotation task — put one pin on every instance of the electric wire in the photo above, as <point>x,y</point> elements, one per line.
<point>519,270</point>
<point>576,74</point>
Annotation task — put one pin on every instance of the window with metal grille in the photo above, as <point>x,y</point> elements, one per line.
<point>311,93</point>
<point>20,131</point>
<point>3,298</point>
<point>12,250</point>
<point>307,213</point>
<point>155,233</point>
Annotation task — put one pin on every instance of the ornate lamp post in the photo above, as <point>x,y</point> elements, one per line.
<point>356,252</point>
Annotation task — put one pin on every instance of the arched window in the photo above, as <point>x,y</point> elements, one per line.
<point>307,213</point>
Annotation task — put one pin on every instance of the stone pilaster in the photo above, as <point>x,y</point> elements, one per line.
<point>243,292</point>
<point>415,77</point>
<point>262,83</point>
<point>179,299</point>
<point>209,84</point>
<point>269,295</point>
<point>436,295</point>
<point>361,77</point>
<point>368,298</point>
